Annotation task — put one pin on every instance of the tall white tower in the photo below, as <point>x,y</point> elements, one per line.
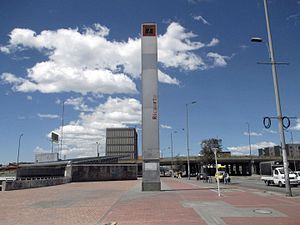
<point>150,118</point>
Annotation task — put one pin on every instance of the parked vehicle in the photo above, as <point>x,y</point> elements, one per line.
<point>221,174</point>
<point>298,176</point>
<point>273,174</point>
<point>202,176</point>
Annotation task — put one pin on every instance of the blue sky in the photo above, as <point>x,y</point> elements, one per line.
<point>87,54</point>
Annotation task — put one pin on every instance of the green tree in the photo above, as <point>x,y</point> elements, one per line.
<point>207,150</point>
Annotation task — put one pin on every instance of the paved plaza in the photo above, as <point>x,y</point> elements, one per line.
<point>181,201</point>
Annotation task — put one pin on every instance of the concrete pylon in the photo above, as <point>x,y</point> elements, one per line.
<point>150,118</point>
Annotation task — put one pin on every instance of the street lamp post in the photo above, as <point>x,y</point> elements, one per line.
<point>293,149</point>
<point>97,144</point>
<point>172,148</point>
<point>278,106</point>
<point>249,139</point>
<point>250,153</point>
<point>217,170</point>
<point>19,146</point>
<point>187,137</point>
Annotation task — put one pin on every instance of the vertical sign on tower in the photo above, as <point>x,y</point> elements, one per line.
<point>150,116</point>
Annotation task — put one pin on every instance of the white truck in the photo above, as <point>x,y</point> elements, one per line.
<point>272,173</point>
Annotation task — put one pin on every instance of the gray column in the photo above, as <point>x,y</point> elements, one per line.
<point>150,118</point>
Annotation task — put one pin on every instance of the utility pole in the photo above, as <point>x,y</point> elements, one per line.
<point>19,146</point>
<point>62,128</point>
<point>278,105</point>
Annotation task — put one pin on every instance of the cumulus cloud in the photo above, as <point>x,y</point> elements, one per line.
<point>176,49</point>
<point>297,126</point>
<point>80,136</point>
<point>78,104</point>
<point>165,126</point>
<point>88,61</point>
<point>29,98</point>
<point>201,19</point>
<point>294,18</point>
<point>48,77</point>
<point>244,150</point>
<point>165,78</point>
<point>48,116</point>
<point>252,134</point>
<point>218,60</point>
<point>213,42</point>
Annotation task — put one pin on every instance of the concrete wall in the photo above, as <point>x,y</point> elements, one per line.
<point>98,172</point>
<point>41,171</point>
<point>33,183</point>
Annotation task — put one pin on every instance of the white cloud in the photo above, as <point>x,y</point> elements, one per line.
<point>88,61</point>
<point>78,104</point>
<point>29,98</point>
<point>48,77</point>
<point>4,50</point>
<point>270,131</point>
<point>165,78</point>
<point>218,60</point>
<point>79,137</point>
<point>201,19</point>
<point>176,49</point>
<point>252,134</point>
<point>48,116</point>
<point>213,42</point>
<point>295,18</point>
<point>244,150</point>
<point>297,126</point>
<point>244,47</point>
<point>165,126</point>
<point>40,150</point>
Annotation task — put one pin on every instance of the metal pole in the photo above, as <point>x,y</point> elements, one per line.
<point>51,146</point>
<point>172,153</point>
<point>250,153</point>
<point>278,106</point>
<point>187,138</point>
<point>19,146</point>
<point>249,139</point>
<point>293,147</point>
<point>217,171</point>
<point>187,141</point>
<point>62,128</point>
<point>97,145</point>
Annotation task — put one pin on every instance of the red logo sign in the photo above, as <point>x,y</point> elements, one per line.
<point>154,113</point>
<point>149,30</point>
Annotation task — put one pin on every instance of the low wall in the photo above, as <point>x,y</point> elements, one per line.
<point>41,171</point>
<point>33,183</point>
<point>96,172</point>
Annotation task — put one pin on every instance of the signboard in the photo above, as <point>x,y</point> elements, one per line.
<point>54,137</point>
<point>149,30</point>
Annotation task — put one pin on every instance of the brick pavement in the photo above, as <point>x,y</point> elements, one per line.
<point>181,201</point>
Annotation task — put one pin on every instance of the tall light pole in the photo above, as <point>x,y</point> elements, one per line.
<point>172,148</point>
<point>293,149</point>
<point>217,170</point>
<point>62,128</point>
<point>19,146</point>
<point>97,145</point>
<point>250,154</point>
<point>278,106</point>
<point>187,137</point>
<point>249,139</point>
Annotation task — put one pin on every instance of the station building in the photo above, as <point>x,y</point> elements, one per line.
<point>292,150</point>
<point>121,142</point>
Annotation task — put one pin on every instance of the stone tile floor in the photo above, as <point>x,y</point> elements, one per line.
<point>181,201</point>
